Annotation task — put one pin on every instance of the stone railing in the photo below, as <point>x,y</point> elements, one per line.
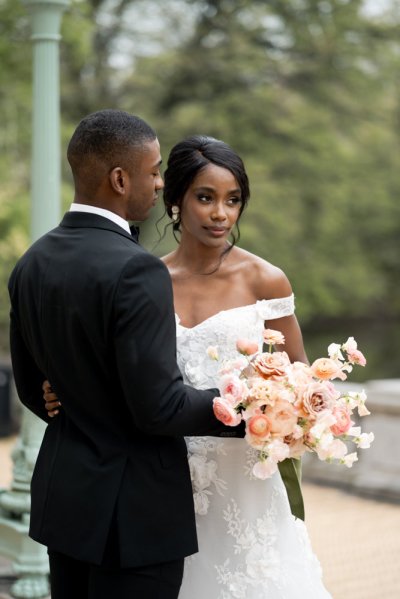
<point>377,472</point>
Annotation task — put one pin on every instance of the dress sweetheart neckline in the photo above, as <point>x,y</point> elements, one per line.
<point>273,299</point>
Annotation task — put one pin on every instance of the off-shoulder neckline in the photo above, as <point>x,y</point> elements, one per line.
<point>258,302</point>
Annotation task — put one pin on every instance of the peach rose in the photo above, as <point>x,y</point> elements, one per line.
<point>272,337</point>
<point>326,368</point>
<point>343,421</point>
<point>272,366</point>
<point>224,412</point>
<point>283,418</point>
<point>246,347</point>
<point>259,426</point>
<point>315,398</point>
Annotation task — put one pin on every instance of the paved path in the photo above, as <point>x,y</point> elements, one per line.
<point>357,540</point>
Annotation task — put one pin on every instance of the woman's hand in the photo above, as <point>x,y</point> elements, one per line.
<point>51,402</point>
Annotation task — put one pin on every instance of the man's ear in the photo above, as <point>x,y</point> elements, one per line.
<point>118,180</point>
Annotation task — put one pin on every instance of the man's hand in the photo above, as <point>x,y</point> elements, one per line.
<point>51,402</point>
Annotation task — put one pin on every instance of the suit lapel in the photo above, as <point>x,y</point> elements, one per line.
<point>94,221</point>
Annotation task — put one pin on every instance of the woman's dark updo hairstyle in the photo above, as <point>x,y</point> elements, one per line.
<point>188,158</point>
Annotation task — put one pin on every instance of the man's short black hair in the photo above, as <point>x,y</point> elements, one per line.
<point>104,140</point>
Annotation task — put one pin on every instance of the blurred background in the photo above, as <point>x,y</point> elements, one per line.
<point>308,93</point>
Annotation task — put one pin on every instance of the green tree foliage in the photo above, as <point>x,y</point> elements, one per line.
<point>15,109</point>
<point>305,90</point>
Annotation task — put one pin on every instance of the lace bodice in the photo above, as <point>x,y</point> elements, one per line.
<point>222,330</point>
<point>250,545</point>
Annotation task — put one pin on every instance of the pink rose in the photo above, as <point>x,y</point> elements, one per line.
<point>272,366</point>
<point>326,368</point>
<point>272,337</point>
<point>283,418</point>
<point>224,412</point>
<point>246,347</point>
<point>233,389</point>
<point>343,421</point>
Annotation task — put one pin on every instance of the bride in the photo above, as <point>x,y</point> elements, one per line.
<point>250,545</point>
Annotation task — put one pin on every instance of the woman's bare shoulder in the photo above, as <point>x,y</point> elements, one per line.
<point>168,259</point>
<point>265,279</point>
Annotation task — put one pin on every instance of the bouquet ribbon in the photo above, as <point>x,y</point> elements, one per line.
<point>290,470</point>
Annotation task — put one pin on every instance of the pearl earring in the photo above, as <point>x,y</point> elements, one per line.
<point>175,213</point>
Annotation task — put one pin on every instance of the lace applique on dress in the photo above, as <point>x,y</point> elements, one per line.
<point>250,545</point>
<point>203,471</point>
<point>275,308</point>
<point>251,459</point>
<point>259,563</point>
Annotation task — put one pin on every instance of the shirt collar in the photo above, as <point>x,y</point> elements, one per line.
<point>115,218</point>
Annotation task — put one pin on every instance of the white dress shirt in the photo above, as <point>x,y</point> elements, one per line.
<point>118,220</point>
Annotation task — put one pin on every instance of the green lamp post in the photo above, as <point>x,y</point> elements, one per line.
<point>30,560</point>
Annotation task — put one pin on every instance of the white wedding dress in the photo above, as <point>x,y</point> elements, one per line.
<point>250,545</point>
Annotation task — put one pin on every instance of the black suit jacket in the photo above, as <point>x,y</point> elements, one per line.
<point>92,311</point>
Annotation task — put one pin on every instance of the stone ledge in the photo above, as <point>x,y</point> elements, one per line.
<point>377,472</point>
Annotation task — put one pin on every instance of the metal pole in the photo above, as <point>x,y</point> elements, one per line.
<point>29,558</point>
<point>46,20</point>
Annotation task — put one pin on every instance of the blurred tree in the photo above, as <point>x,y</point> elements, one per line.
<point>15,108</point>
<point>296,87</point>
<point>305,90</point>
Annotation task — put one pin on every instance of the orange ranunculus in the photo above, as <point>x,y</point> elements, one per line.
<point>326,368</point>
<point>259,426</point>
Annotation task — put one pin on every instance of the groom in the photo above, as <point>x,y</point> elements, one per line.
<point>92,311</point>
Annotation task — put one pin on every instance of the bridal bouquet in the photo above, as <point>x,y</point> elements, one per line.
<point>290,408</point>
